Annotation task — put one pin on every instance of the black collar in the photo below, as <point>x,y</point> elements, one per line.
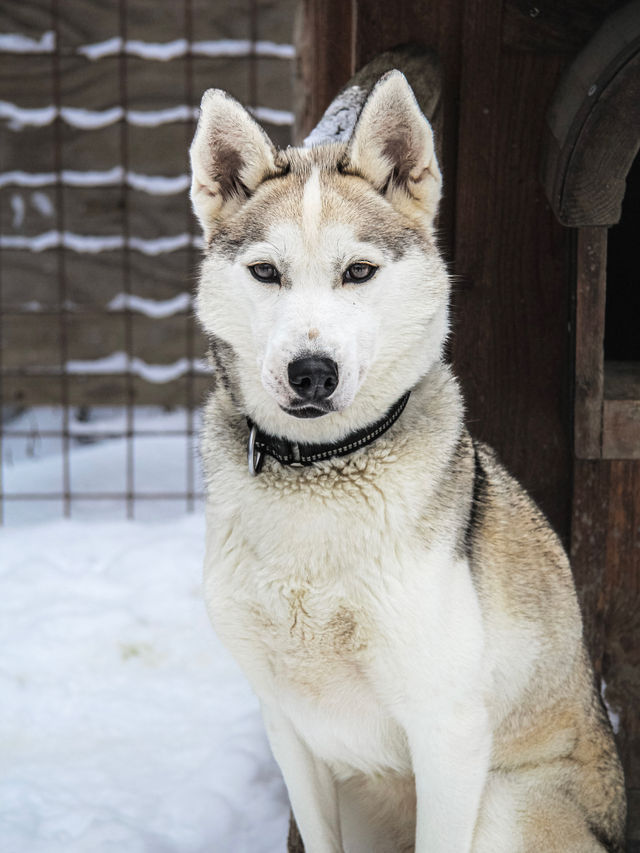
<point>292,453</point>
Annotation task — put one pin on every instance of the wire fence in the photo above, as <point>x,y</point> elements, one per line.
<point>98,246</point>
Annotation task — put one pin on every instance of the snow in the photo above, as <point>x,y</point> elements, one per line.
<point>339,119</point>
<point>20,117</point>
<point>614,716</point>
<point>158,184</point>
<point>271,116</point>
<point>165,51</point>
<point>119,362</point>
<point>17,208</point>
<point>162,51</point>
<point>92,244</point>
<point>152,184</point>
<point>18,43</point>
<point>97,464</point>
<point>124,724</point>
<point>151,307</point>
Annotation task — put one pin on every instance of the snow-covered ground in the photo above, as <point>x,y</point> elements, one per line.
<point>33,462</point>
<point>124,724</point>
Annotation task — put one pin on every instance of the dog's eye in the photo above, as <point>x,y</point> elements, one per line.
<point>265,273</point>
<point>359,272</point>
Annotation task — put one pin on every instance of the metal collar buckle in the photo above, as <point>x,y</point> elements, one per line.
<point>255,457</point>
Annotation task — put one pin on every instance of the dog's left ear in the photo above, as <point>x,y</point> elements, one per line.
<point>230,156</point>
<point>392,147</point>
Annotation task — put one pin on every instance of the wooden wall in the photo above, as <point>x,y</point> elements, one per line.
<point>514,285</point>
<point>89,128</point>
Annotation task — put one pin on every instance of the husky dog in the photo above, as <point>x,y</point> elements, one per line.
<point>402,609</point>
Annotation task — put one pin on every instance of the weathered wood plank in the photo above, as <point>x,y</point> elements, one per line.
<point>30,342</point>
<point>276,20</point>
<point>95,212</point>
<point>589,530</point>
<point>26,80</point>
<point>165,340</point>
<point>85,84</point>
<point>98,211</point>
<point>158,150</point>
<point>621,429</point>
<point>88,210</point>
<point>28,278</point>
<point>30,150</point>
<point>161,150</point>
<point>92,21</point>
<point>142,21</point>
<point>438,28</point>
<point>31,19</point>
<point>164,276</point>
<point>151,151</point>
<point>34,342</point>
<point>167,86</point>
<point>96,85</point>
<point>85,22</point>
<point>591,283</point>
<point>605,557</point>
<point>633,825</point>
<point>103,390</point>
<point>326,61</point>
<point>513,264</point>
<point>92,281</point>
<point>622,380</point>
<point>274,83</point>
<point>621,664</point>
<point>214,20</point>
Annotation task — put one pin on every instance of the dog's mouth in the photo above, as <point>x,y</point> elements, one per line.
<point>303,411</point>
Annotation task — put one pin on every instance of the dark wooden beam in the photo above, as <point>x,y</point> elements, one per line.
<point>324,41</point>
<point>591,284</point>
<point>511,342</point>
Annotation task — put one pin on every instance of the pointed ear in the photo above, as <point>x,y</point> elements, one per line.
<point>230,155</point>
<point>392,147</point>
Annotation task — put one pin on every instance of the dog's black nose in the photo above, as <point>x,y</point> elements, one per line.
<point>313,378</point>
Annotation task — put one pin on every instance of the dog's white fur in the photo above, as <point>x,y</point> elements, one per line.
<point>401,676</point>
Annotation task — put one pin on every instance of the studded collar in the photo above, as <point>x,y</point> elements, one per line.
<point>287,452</point>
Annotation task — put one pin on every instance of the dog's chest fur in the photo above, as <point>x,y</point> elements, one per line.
<point>308,583</point>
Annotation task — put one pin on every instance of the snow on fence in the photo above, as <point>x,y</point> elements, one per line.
<point>98,246</point>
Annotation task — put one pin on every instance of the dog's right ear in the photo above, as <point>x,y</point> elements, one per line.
<point>230,156</point>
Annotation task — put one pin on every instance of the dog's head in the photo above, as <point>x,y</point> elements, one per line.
<point>321,276</point>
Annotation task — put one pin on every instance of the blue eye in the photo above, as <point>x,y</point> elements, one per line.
<point>358,272</point>
<point>266,273</point>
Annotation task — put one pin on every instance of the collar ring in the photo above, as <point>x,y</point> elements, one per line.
<point>255,457</point>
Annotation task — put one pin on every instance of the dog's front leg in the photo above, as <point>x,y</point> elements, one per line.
<point>311,787</point>
<point>450,751</point>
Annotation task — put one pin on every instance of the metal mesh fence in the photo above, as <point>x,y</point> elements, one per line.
<point>98,246</point>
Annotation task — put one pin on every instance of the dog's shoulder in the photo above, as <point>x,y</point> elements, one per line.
<point>517,560</point>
